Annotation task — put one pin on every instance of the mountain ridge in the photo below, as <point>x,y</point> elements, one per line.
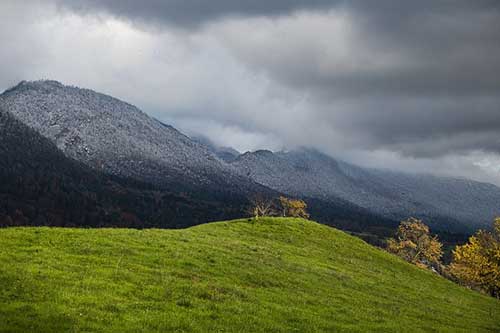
<point>41,186</point>
<point>117,138</point>
<point>222,199</point>
<point>442,201</point>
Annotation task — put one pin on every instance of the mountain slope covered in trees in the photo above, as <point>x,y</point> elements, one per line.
<point>111,139</point>
<point>274,275</point>
<point>117,138</point>
<point>444,203</point>
<point>41,186</point>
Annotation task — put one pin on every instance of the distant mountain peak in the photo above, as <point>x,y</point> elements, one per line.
<point>49,82</point>
<point>227,154</point>
<point>444,203</point>
<point>116,137</point>
<point>113,136</point>
<point>263,152</point>
<point>36,84</point>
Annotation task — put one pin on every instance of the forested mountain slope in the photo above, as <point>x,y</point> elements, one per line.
<point>444,203</point>
<point>115,137</point>
<point>41,186</point>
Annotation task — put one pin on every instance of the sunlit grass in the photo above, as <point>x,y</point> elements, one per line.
<point>271,275</point>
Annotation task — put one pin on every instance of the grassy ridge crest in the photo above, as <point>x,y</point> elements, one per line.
<point>271,275</point>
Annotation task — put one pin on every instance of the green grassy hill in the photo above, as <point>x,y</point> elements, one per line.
<point>275,275</point>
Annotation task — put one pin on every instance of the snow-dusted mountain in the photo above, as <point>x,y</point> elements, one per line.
<point>40,185</point>
<point>227,154</point>
<point>118,138</point>
<point>114,137</point>
<point>444,203</point>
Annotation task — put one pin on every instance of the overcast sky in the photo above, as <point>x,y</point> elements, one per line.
<point>411,85</point>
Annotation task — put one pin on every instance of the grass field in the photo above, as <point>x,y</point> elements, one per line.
<point>274,275</point>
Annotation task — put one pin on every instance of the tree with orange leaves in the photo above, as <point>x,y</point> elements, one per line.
<point>415,244</point>
<point>477,263</point>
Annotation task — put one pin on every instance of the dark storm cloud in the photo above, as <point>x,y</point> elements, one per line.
<point>393,17</point>
<point>192,13</point>
<point>406,74</point>
<point>424,127</point>
<point>384,80</point>
<point>444,50</point>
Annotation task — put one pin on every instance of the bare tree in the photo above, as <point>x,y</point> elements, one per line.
<point>262,206</point>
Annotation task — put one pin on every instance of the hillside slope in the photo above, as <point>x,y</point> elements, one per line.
<point>192,185</point>
<point>275,275</point>
<point>113,136</point>
<point>447,204</point>
<point>39,185</point>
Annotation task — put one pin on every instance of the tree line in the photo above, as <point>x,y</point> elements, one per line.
<point>261,206</point>
<point>476,264</point>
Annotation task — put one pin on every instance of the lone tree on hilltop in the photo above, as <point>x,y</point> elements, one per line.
<point>293,207</point>
<point>415,244</point>
<point>261,206</point>
<point>477,263</point>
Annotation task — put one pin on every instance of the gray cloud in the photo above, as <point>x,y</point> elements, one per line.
<point>191,13</point>
<point>408,85</point>
<point>385,14</point>
<point>393,79</point>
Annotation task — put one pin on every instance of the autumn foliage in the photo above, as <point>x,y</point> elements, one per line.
<point>293,207</point>
<point>477,263</point>
<point>262,206</point>
<point>415,244</point>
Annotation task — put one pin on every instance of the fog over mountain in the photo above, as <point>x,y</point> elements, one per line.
<point>140,172</point>
<point>444,203</point>
<point>400,85</point>
<point>43,186</point>
<point>118,139</point>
